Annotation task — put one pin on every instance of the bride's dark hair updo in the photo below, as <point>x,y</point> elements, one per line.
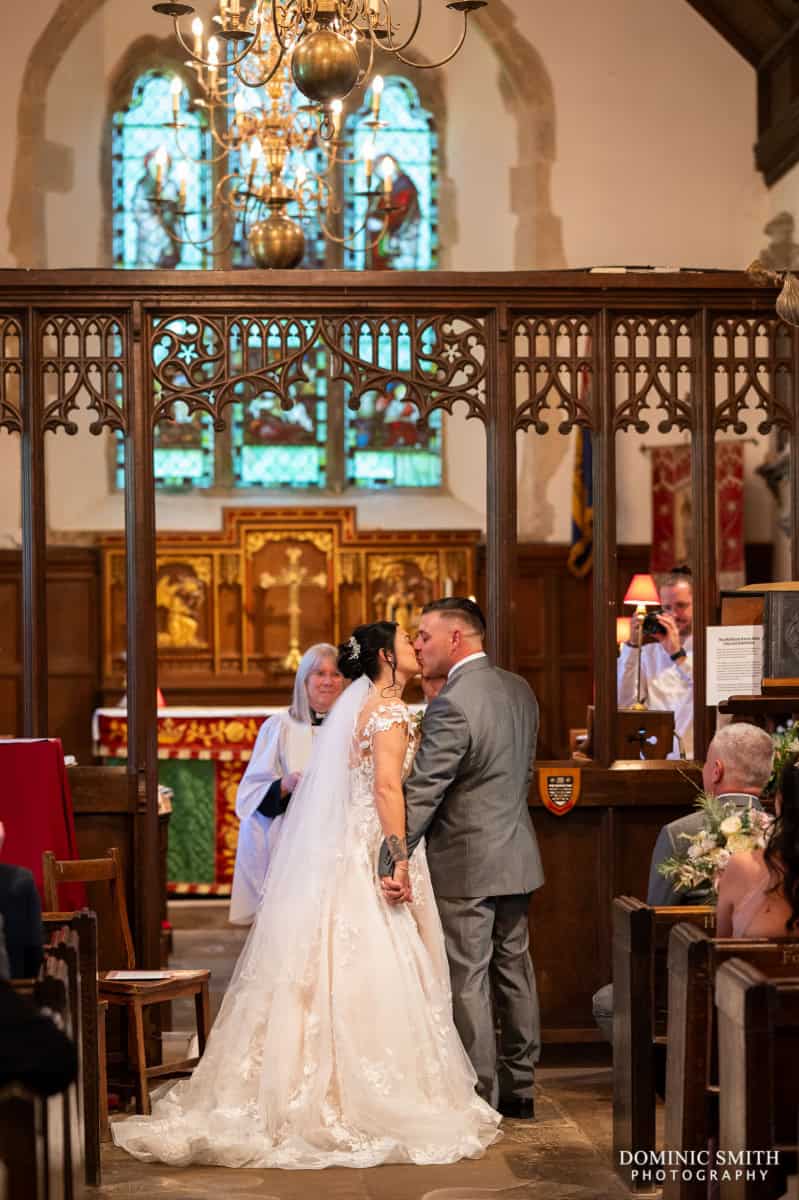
<point>360,654</point>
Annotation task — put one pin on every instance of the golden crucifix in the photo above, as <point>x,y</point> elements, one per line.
<point>294,576</point>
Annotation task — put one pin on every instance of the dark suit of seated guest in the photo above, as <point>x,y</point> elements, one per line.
<point>33,1051</point>
<point>21,911</point>
<point>737,768</point>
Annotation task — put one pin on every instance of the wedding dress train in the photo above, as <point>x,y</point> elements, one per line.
<point>335,1044</point>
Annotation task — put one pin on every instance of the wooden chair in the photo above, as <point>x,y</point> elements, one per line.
<point>758,1038</point>
<point>640,942</point>
<point>133,996</point>
<point>92,1033</point>
<point>692,1080</point>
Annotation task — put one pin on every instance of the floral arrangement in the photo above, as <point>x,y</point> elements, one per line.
<point>786,745</point>
<point>728,829</point>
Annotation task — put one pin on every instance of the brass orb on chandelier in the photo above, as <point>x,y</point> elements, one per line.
<point>325,66</point>
<point>277,243</point>
<point>330,44</point>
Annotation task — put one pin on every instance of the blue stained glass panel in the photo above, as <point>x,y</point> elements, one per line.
<point>409,142</point>
<point>148,230</point>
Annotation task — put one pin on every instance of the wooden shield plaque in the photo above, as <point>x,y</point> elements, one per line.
<point>559,788</point>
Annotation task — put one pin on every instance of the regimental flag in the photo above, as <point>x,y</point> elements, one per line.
<point>581,555</point>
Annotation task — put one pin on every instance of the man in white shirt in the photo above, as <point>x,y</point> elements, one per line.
<point>667,676</point>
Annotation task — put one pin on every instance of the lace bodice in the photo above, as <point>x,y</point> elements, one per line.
<point>376,718</point>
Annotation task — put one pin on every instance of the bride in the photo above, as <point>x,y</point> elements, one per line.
<point>335,1044</point>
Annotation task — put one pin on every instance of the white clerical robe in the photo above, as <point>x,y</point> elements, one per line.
<point>283,745</point>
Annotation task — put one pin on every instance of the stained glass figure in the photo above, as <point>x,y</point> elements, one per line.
<point>277,448</point>
<point>409,144</point>
<point>385,445</point>
<point>147,157</point>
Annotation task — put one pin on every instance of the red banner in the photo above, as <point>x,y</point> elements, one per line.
<point>672,510</point>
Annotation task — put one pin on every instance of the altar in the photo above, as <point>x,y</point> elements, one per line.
<point>202,755</point>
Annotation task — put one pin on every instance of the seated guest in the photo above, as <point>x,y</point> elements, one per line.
<point>737,767</point>
<point>759,889</point>
<point>281,753</point>
<point>21,913</point>
<point>667,679</point>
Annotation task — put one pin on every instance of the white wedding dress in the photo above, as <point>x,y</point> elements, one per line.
<point>335,1044</point>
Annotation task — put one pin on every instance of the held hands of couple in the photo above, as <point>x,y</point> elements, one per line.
<point>397,889</point>
<point>289,783</point>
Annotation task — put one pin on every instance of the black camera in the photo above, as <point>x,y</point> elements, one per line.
<point>651,625</point>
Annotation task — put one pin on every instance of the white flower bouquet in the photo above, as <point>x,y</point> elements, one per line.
<point>728,829</point>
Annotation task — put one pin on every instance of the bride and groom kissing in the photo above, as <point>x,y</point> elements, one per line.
<point>392,934</point>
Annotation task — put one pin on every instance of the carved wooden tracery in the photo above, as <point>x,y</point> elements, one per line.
<point>208,361</point>
<point>521,351</point>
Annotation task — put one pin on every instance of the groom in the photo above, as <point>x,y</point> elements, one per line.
<point>467,793</point>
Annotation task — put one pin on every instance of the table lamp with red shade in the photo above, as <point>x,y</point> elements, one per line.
<point>642,594</point>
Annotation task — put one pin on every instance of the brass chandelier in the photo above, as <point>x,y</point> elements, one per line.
<point>279,161</point>
<point>329,45</point>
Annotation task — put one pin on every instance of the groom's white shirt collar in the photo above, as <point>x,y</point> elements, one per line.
<point>469,658</point>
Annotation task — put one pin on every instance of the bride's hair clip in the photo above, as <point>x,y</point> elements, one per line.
<point>355,647</point>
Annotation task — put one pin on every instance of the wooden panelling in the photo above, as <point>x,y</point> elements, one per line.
<point>73,611</point>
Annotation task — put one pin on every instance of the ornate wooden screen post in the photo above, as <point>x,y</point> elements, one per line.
<point>703,486</point>
<point>500,490</point>
<point>142,642</point>
<point>794,457</point>
<point>605,550</point>
<point>34,536</point>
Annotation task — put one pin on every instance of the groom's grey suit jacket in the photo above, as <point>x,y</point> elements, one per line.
<point>467,791</point>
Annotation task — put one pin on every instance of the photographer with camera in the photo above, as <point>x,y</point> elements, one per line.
<point>667,679</point>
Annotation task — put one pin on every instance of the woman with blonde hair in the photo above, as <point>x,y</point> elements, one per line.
<point>279,757</point>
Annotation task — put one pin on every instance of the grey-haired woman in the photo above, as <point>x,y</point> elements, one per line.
<point>281,753</point>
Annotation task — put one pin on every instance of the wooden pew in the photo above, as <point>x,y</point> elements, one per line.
<point>758,1040</point>
<point>23,1144</point>
<point>41,1142</point>
<point>93,1103</point>
<point>640,995</point>
<point>692,1056</point>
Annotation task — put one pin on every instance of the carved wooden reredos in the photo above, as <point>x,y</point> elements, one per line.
<point>235,609</point>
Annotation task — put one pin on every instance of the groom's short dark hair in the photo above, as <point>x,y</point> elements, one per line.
<point>460,606</point>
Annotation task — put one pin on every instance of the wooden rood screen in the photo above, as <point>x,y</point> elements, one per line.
<point>530,353</point>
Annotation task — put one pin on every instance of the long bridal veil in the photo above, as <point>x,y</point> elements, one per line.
<point>335,1043</point>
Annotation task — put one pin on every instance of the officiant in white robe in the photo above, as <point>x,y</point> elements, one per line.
<point>281,753</point>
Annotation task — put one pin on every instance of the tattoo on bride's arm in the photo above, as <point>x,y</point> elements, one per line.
<point>397,847</point>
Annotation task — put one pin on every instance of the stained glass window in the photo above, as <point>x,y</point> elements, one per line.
<point>145,154</point>
<point>383,445</point>
<point>408,140</point>
<point>275,448</point>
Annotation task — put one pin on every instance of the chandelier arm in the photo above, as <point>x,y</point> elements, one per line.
<point>367,70</point>
<point>262,82</point>
<point>196,58</point>
<point>403,45</point>
<point>213,160</point>
<point>350,239</point>
<point>201,243</point>
<point>421,66</point>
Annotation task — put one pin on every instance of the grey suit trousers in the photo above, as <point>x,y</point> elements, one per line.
<point>488,947</point>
